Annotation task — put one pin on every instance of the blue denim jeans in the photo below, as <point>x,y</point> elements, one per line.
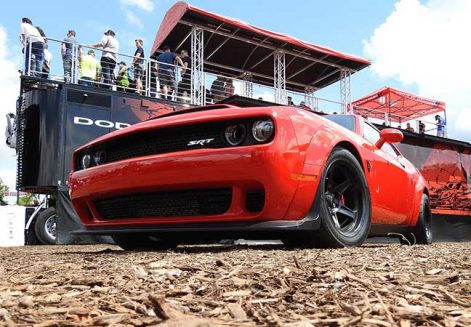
<point>67,63</point>
<point>34,59</point>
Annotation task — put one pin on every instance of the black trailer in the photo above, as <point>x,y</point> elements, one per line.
<point>52,120</point>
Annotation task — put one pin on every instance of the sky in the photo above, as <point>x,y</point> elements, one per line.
<point>422,47</point>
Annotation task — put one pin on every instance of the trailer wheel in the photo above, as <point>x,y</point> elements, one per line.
<point>45,226</point>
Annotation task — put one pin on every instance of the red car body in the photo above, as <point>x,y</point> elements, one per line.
<point>286,172</point>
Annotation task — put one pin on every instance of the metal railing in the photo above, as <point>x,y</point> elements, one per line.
<point>84,65</point>
<point>428,127</point>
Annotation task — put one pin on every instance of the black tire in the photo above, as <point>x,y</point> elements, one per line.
<point>345,205</point>
<point>45,226</point>
<point>136,242</point>
<point>423,228</point>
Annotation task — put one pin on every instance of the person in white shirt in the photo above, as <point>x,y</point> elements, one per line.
<point>33,48</point>
<point>109,56</point>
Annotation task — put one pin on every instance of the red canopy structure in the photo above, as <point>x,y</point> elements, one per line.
<point>233,47</point>
<point>400,106</point>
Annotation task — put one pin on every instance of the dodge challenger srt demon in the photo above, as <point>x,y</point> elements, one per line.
<point>222,171</point>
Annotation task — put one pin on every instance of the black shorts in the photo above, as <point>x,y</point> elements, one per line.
<point>137,71</point>
<point>166,78</point>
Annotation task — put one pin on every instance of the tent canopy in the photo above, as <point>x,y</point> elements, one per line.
<point>232,47</point>
<point>401,106</point>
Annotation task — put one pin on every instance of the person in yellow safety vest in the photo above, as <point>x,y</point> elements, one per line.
<point>122,80</point>
<point>89,69</point>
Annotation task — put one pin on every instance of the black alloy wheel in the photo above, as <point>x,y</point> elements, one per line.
<point>423,228</point>
<point>345,208</point>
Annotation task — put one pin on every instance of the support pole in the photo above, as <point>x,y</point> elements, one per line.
<point>345,92</point>
<point>310,100</point>
<point>197,59</point>
<point>247,85</point>
<point>279,78</point>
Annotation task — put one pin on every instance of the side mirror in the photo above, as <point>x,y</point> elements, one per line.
<point>389,135</point>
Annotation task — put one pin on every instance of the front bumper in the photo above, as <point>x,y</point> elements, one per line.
<point>276,168</point>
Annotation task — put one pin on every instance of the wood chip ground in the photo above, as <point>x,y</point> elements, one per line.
<point>222,285</point>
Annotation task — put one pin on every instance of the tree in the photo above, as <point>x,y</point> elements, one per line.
<point>26,200</point>
<point>3,193</point>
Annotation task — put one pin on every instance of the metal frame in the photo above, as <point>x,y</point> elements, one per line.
<point>310,100</point>
<point>247,85</point>
<point>265,45</point>
<point>197,59</point>
<point>345,91</point>
<point>279,77</point>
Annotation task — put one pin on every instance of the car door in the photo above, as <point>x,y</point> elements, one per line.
<point>392,188</point>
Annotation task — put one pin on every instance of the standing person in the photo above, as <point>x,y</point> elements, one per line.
<point>66,52</point>
<point>154,73</point>
<point>421,128</point>
<point>166,62</point>
<point>89,69</point>
<point>34,48</point>
<point>47,56</point>
<point>184,87</point>
<point>109,56</point>
<point>138,64</point>
<point>122,80</point>
<point>409,128</point>
<point>217,88</point>
<point>47,62</point>
<point>440,122</point>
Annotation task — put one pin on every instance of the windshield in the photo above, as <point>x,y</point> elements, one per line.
<point>343,120</point>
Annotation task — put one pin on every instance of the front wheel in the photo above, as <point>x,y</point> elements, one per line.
<point>345,208</point>
<point>423,228</point>
<point>45,226</point>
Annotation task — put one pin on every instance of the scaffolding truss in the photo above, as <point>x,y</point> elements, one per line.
<point>310,100</point>
<point>197,59</point>
<point>345,91</point>
<point>279,77</point>
<point>247,85</point>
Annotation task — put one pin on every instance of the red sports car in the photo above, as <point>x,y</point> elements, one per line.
<point>222,171</point>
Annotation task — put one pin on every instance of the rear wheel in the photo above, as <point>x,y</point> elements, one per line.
<point>45,226</point>
<point>345,209</point>
<point>143,242</point>
<point>423,228</point>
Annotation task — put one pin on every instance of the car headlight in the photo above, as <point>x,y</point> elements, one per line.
<point>86,161</point>
<point>262,130</point>
<point>235,134</point>
<point>99,157</point>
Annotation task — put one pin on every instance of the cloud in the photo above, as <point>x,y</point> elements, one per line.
<point>427,45</point>
<point>9,90</point>
<point>131,18</point>
<point>147,5</point>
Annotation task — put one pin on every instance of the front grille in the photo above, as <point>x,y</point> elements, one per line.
<point>255,200</point>
<point>166,140</point>
<point>166,204</point>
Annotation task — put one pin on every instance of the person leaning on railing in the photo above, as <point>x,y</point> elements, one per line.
<point>109,57</point>
<point>89,69</point>
<point>33,48</point>
<point>166,62</point>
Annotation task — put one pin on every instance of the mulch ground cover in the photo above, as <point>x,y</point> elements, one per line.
<point>226,285</point>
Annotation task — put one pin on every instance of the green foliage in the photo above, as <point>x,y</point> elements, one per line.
<point>26,200</point>
<point>3,192</point>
